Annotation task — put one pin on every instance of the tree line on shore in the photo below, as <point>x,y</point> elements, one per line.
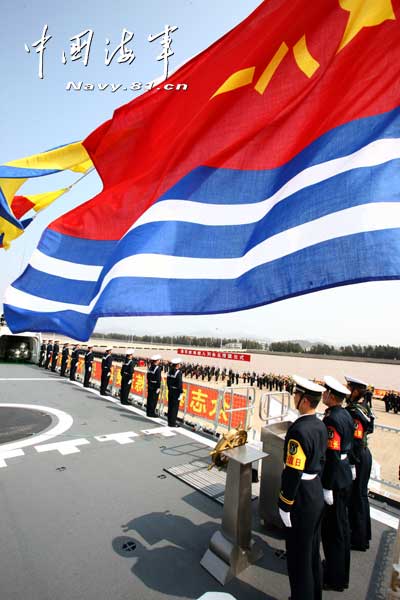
<point>382,351</point>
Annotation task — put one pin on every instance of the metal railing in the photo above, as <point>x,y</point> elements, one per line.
<point>205,408</point>
<point>265,412</point>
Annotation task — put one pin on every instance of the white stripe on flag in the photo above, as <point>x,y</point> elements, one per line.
<point>359,219</point>
<point>373,154</point>
<point>63,268</point>
<point>377,152</point>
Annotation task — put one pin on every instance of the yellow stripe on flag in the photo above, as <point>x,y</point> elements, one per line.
<point>10,187</point>
<point>73,156</point>
<point>9,231</point>
<point>40,201</point>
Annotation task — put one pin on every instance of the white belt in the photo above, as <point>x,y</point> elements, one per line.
<point>343,456</point>
<point>308,476</point>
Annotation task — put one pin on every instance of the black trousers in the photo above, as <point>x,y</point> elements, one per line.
<point>41,359</point>
<point>303,541</point>
<point>173,406</point>
<point>335,533</point>
<point>63,367</point>
<point>72,371</point>
<point>88,374</point>
<point>124,390</point>
<point>359,514</point>
<point>47,362</point>
<point>105,379</point>
<point>152,399</point>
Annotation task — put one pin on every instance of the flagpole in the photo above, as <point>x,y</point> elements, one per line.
<point>80,179</point>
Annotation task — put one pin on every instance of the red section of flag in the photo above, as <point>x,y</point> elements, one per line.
<point>21,205</point>
<point>153,141</point>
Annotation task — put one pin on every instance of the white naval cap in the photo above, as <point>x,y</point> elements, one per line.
<point>355,382</point>
<point>129,351</point>
<point>176,360</point>
<point>307,386</point>
<point>336,387</point>
<point>155,357</point>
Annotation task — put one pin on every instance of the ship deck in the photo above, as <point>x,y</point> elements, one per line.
<point>91,512</point>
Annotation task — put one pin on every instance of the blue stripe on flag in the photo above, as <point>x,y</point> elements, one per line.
<point>73,249</point>
<point>315,268</point>
<point>52,287</point>
<point>58,322</point>
<point>10,172</point>
<point>370,185</point>
<point>215,185</point>
<point>6,213</point>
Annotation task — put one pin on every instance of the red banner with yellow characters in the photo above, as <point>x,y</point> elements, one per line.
<point>202,402</point>
<point>225,354</point>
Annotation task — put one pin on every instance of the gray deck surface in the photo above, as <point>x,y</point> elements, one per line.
<point>67,521</point>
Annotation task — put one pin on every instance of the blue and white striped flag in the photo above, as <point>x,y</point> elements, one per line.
<point>231,209</point>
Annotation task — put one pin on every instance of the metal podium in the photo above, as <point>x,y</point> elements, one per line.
<point>231,548</point>
<point>272,438</point>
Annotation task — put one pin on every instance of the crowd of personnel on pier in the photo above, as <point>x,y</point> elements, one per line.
<point>392,401</point>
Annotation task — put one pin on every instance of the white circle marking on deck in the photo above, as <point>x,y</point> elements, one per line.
<point>64,423</point>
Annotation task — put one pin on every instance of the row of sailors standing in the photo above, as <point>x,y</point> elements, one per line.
<point>324,486</point>
<point>174,386</point>
<point>49,355</point>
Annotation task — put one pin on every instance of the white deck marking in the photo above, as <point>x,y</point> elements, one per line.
<point>64,448</point>
<point>138,411</point>
<point>379,515</point>
<point>121,438</point>
<point>164,431</point>
<point>10,454</point>
<point>64,423</point>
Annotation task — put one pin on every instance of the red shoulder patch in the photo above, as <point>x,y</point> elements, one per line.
<point>358,429</point>
<point>334,439</point>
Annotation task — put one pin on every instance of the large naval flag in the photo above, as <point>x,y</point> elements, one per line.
<point>275,173</point>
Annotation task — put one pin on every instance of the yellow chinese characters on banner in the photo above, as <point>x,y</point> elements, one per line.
<point>96,370</point>
<point>198,402</point>
<point>137,383</point>
<point>80,367</point>
<point>203,402</point>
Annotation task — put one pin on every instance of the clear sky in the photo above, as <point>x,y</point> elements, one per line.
<point>39,114</point>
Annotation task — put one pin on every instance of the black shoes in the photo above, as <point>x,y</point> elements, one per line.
<point>334,588</point>
<point>359,548</point>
